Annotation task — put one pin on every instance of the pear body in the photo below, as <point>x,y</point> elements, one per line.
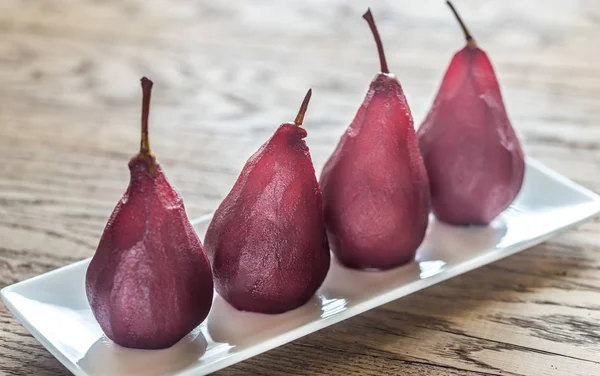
<point>267,241</point>
<point>473,157</point>
<point>375,188</point>
<point>149,283</point>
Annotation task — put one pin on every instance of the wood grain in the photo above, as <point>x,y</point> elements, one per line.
<point>226,74</point>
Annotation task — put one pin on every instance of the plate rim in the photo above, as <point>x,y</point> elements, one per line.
<point>71,366</point>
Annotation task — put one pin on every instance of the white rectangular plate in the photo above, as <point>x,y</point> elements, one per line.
<point>54,308</point>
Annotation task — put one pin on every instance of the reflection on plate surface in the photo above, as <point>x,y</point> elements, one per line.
<point>54,308</point>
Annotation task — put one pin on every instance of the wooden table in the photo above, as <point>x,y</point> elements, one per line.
<point>226,75</point>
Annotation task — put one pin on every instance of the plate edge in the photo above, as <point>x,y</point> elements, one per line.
<point>532,162</point>
<point>72,367</point>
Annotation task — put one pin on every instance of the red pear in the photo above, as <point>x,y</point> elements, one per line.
<point>267,240</point>
<point>149,283</point>
<point>375,188</point>
<point>473,157</point>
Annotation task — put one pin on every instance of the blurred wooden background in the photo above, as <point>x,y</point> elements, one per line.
<point>226,74</point>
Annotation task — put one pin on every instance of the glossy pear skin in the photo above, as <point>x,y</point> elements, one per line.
<point>149,283</point>
<point>375,188</point>
<point>267,240</point>
<point>473,157</point>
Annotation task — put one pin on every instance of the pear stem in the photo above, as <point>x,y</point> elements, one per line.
<point>303,107</point>
<point>147,93</point>
<point>369,17</point>
<point>470,41</point>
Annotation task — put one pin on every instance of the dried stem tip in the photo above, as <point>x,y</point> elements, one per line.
<point>147,93</point>
<point>369,17</point>
<point>303,107</point>
<point>470,41</point>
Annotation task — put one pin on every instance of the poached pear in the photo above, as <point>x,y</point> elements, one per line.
<point>375,187</point>
<point>267,241</point>
<point>149,283</point>
<point>473,156</point>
